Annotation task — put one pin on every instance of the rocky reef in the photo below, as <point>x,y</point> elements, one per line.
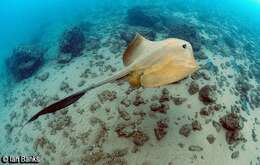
<point>72,43</point>
<point>25,61</point>
<point>138,16</point>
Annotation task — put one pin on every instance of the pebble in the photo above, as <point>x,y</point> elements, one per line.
<point>195,148</point>
<point>235,155</point>
<point>211,138</point>
<point>185,130</point>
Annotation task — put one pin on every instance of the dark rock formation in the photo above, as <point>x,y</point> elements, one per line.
<point>207,94</point>
<point>188,33</point>
<point>25,61</point>
<point>233,124</point>
<point>72,42</point>
<point>161,130</point>
<point>185,130</point>
<point>138,16</point>
<point>209,66</point>
<point>211,138</point>
<point>193,88</point>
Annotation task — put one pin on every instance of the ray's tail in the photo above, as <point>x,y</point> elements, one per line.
<point>65,102</point>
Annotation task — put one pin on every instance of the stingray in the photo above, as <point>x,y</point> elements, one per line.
<point>147,64</point>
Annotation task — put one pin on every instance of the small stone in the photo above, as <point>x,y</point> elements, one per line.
<point>204,111</point>
<point>139,138</point>
<point>231,122</point>
<point>185,130</point>
<point>107,95</point>
<point>64,58</point>
<point>235,155</point>
<point>232,136</point>
<point>81,83</point>
<point>159,107</point>
<point>194,88</point>
<point>196,126</point>
<point>43,77</point>
<point>161,129</point>
<point>211,138</point>
<point>181,145</point>
<point>95,106</point>
<point>216,125</point>
<point>126,102</point>
<point>195,148</point>
<point>138,100</point>
<point>123,114</point>
<point>124,130</point>
<point>165,95</point>
<point>178,100</point>
<point>254,137</point>
<point>207,94</point>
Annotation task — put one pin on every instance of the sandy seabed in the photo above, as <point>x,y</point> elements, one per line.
<point>117,124</point>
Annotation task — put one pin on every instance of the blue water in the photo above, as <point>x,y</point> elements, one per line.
<point>235,23</point>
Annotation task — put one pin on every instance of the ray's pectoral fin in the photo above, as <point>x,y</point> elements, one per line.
<point>168,71</point>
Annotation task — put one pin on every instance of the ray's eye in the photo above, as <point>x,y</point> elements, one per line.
<point>184,46</point>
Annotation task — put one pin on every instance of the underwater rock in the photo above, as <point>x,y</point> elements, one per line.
<point>44,76</point>
<point>138,100</point>
<point>25,61</point>
<point>178,100</point>
<point>126,102</point>
<point>255,98</point>
<point>45,144</point>
<point>185,130</point>
<point>139,138</point>
<point>138,16</point>
<point>123,114</point>
<point>204,111</point>
<point>196,126</point>
<point>243,86</point>
<point>165,95</point>
<point>233,124</point>
<point>216,125</point>
<point>211,139</point>
<point>161,129</point>
<point>92,44</point>
<point>124,129</point>
<point>200,55</point>
<point>254,136</point>
<point>159,107</point>
<point>195,148</point>
<point>186,32</point>
<point>72,42</point>
<point>9,129</point>
<point>107,95</point>
<point>92,157</point>
<point>81,83</point>
<point>95,106</point>
<point>193,88</point>
<point>64,58</point>
<point>209,66</point>
<point>64,86</point>
<point>59,123</point>
<point>207,94</point>
<point>235,155</point>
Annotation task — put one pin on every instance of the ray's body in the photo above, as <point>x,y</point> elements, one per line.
<point>147,64</point>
